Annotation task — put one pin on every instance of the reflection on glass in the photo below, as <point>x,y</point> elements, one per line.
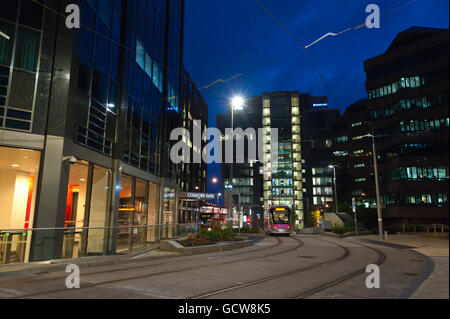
<point>140,213</point>
<point>75,209</point>
<point>98,212</point>
<point>126,211</point>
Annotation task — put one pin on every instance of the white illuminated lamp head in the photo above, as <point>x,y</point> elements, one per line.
<point>237,103</point>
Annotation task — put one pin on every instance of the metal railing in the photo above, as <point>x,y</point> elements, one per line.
<point>77,242</point>
<point>433,229</point>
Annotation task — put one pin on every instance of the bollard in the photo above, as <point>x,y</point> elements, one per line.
<point>414,229</point>
<point>403,228</point>
<point>385,235</point>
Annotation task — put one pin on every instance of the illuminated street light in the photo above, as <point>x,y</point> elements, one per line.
<point>215,180</point>
<point>218,195</point>
<point>237,103</point>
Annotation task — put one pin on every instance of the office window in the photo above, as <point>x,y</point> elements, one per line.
<point>5,44</point>
<point>27,49</point>
<point>140,54</point>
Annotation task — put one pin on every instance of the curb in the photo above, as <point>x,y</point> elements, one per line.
<point>411,288</point>
<point>61,264</point>
<point>174,246</point>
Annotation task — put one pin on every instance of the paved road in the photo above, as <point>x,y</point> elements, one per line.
<point>275,268</point>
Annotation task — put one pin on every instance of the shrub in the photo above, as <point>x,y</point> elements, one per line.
<point>345,229</point>
<point>249,230</point>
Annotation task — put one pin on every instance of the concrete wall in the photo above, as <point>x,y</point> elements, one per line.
<point>331,219</point>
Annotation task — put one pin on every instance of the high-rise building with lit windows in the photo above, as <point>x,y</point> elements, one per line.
<point>282,170</point>
<point>407,109</point>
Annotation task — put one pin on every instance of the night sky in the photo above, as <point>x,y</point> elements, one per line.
<point>227,37</point>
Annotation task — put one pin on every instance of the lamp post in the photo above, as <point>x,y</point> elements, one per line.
<point>335,188</point>
<point>218,195</point>
<point>377,184</point>
<point>236,103</point>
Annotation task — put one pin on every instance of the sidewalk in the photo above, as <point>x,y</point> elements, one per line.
<point>84,262</point>
<point>436,286</point>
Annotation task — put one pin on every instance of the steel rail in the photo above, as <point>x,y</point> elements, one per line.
<point>152,274</point>
<point>381,259</point>
<point>276,276</point>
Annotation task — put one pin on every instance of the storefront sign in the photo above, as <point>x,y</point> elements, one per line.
<point>200,195</point>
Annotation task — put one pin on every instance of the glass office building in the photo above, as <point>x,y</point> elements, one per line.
<point>82,125</point>
<point>407,103</point>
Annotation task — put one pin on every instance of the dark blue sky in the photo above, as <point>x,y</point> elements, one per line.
<point>227,37</point>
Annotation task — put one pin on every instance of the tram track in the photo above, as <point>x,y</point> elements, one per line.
<point>90,285</point>
<point>380,260</point>
<point>141,266</point>
<point>277,276</point>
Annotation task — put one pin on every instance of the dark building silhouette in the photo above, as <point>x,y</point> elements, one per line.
<point>317,156</point>
<point>407,109</point>
<point>353,157</point>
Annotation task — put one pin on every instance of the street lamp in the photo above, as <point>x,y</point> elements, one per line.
<point>218,195</point>
<point>237,103</point>
<point>377,185</point>
<point>335,188</point>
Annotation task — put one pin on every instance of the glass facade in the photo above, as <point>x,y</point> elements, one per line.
<point>138,210</point>
<point>19,173</point>
<point>21,21</point>
<point>104,100</point>
<point>87,206</point>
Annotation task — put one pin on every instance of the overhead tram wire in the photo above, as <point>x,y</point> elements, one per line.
<point>302,46</point>
<point>220,80</point>
<point>306,47</point>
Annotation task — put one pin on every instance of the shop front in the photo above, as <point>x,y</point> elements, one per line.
<point>137,214</point>
<point>87,210</point>
<point>19,174</point>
